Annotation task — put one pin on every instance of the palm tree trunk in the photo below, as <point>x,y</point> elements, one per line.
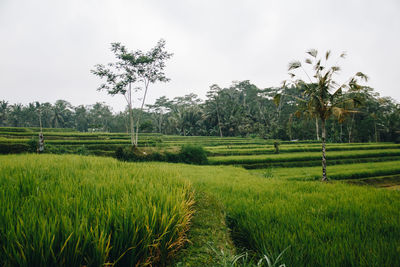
<point>324,178</point>
<point>317,128</point>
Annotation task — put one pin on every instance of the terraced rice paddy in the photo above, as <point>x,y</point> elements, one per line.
<point>144,212</point>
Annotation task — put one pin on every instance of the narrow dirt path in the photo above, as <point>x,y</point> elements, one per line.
<point>209,243</point>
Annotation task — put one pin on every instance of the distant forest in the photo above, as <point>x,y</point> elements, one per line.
<point>242,109</point>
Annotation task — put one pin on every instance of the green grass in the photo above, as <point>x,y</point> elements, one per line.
<point>304,156</point>
<point>323,224</point>
<point>378,181</point>
<point>75,211</point>
<point>100,208</point>
<point>210,242</point>
<point>337,172</point>
<point>267,210</point>
<point>269,149</point>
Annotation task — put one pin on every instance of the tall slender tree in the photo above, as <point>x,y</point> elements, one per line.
<point>321,95</point>
<point>133,71</point>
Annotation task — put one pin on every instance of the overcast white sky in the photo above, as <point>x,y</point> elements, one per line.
<point>48,47</point>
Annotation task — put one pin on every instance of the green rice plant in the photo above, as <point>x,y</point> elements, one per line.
<point>307,156</point>
<point>336,172</point>
<point>311,163</point>
<point>268,149</point>
<point>325,224</point>
<point>87,211</point>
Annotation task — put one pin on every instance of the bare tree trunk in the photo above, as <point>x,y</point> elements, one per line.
<point>132,130</point>
<point>317,128</point>
<point>141,111</point>
<point>324,178</point>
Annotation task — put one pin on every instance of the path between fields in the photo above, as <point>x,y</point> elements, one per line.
<point>209,243</point>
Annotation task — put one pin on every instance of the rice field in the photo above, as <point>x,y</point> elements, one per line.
<point>70,210</point>
<point>86,211</point>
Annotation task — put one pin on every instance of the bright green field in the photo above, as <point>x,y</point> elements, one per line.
<point>302,156</point>
<point>337,172</point>
<point>75,210</point>
<point>88,211</point>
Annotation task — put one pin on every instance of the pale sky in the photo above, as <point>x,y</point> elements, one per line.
<point>48,47</point>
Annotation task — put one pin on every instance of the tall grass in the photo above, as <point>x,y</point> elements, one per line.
<point>304,156</point>
<point>325,224</point>
<point>269,149</point>
<point>86,211</point>
<point>337,172</point>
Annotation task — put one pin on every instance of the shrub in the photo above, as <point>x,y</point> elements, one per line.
<point>33,145</point>
<point>131,153</point>
<point>172,157</point>
<point>82,150</point>
<point>193,154</point>
<point>119,153</point>
<point>9,148</point>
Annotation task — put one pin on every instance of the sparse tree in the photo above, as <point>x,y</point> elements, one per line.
<point>133,71</point>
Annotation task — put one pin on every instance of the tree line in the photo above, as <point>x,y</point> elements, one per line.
<point>242,109</point>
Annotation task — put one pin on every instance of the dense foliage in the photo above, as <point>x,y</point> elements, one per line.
<point>239,110</point>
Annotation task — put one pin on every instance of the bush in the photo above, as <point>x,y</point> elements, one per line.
<point>9,148</point>
<point>193,154</point>
<point>82,150</point>
<point>172,157</point>
<point>131,153</point>
<point>119,153</point>
<point>33,145</point>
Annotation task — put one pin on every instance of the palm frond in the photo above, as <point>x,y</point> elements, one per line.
<point>308,61</point>
<point>327,54</point>
<point>294,65</point>
<point>343,54</point>
<point>362,76</point>
<point>335,69</point>
<point>313,52</point>
<point>317,65</point>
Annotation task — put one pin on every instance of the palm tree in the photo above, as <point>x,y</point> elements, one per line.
<point>321,96</point>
